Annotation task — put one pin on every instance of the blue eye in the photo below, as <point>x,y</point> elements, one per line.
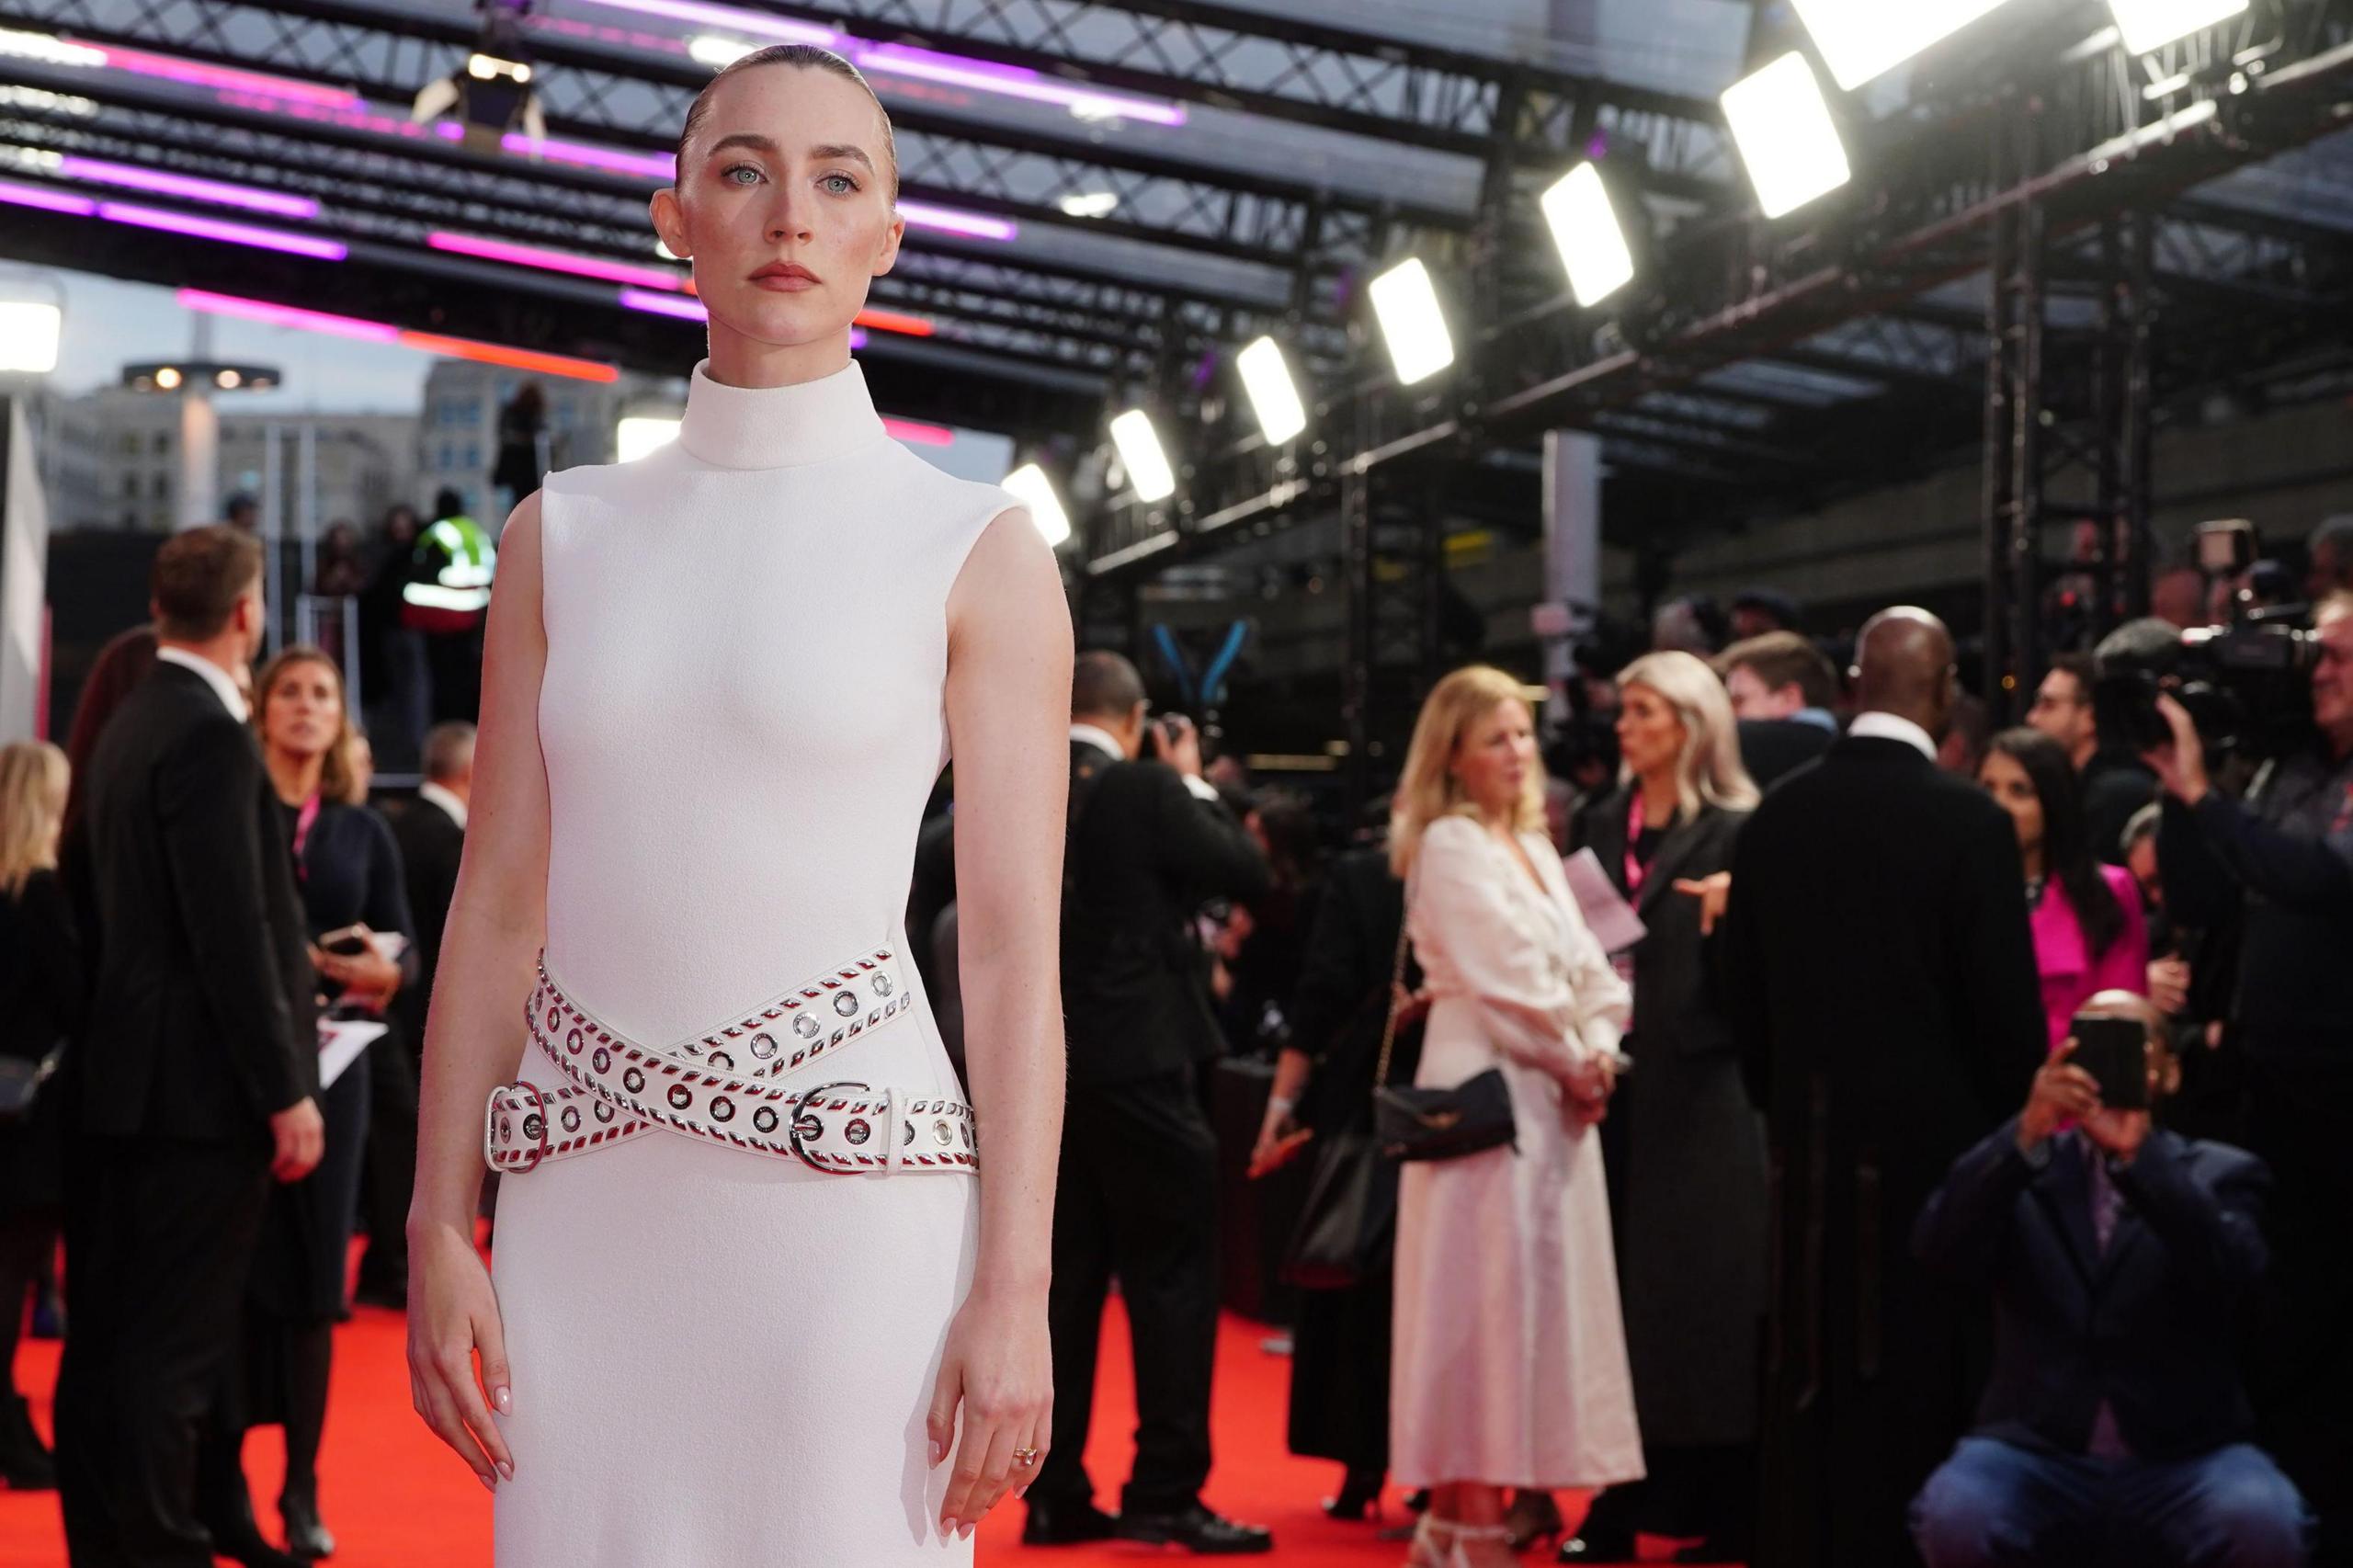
<point>732,170</point>
<point>840,185</point>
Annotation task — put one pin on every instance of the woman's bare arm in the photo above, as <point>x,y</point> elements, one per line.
<point>475,1032</point>
<point>1008,719</point>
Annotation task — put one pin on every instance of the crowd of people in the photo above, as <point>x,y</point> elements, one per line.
<point>191,888</point>
<point>1713,1128</point>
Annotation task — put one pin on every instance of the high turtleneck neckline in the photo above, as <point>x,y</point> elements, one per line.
<point>755,427</point>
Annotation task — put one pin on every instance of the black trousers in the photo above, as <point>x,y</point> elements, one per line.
<point>391,1176</point>
<point>1137,1198</point>
<point>160,1237</point>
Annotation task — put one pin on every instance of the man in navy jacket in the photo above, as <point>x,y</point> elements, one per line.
<point>2122,1260</point>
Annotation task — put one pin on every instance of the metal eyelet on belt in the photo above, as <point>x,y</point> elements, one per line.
<point>805,1124</point>
<point>537,1113</point>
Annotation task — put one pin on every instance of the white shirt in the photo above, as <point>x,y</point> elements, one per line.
<point>429,790</point>
<point>1104,741</point>
<point>219,679</point>
<point>1890,727</point>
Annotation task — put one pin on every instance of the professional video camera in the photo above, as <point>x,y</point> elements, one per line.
<point>2246,684</point>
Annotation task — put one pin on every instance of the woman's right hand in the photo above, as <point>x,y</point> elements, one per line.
<point>452,1315</point>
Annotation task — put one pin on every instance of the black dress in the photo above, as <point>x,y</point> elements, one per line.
<point>41,997</point>
<point>1339,1378</point>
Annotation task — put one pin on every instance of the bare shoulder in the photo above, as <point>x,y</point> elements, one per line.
<point>1009,585</point>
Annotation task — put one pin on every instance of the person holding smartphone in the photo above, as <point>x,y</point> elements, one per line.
<point>2122,1260</point>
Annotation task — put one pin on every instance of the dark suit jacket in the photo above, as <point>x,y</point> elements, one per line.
<point>1884,991</point>
<point>1772,749</point>
<point>431,845</point>
<point>2150,1324</point>
<point>1687,1176</point>
<point>2116,785</point>
<point>203,1024</point>
<point>1144,854</point>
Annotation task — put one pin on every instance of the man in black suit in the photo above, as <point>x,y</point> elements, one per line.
<point>431,833</point>
<point>195,1084</point>
<point>1885,993</point>
<point>1137,1197</point>
<point>2116,784</point>
<point>2122,1260</point>
<point>1781,689</point>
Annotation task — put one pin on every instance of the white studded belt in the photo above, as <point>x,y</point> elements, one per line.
<point>620,1090</point>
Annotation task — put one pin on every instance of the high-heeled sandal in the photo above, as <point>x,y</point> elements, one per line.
<point>1433,1543</point>
<point>1458,1557</point>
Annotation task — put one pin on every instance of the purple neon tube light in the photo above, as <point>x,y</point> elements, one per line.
<point>46,200</point>
<point>554,261</point>
<point>783,29</point>
<point>188,186</point>
<point>1011,81</point>
<point>215,229</point>
<point>288,315</point>
<point>694,310</point>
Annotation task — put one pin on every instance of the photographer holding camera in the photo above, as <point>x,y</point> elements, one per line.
<point>2282,861</point>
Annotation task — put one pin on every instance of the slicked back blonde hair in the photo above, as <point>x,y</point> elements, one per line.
<point>1710,768</point>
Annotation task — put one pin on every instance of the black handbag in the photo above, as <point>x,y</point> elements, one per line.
<point>1349,1216</point>
<point>1439,1124</point>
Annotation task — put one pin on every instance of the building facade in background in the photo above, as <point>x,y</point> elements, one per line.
<point>457,431</point>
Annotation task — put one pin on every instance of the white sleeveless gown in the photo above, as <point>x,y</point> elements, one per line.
<point>722,1359</point>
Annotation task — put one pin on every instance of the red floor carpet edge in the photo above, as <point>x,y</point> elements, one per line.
<point>395,1498</point>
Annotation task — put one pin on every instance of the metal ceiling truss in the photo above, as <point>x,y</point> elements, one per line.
<point>1840,289</point>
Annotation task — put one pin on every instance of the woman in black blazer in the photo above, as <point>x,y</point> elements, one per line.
<point>41,1001</point>
<point>1686,1149</point>
<point>350,873</point>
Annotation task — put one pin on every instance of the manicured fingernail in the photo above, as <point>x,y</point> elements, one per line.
<point>507,1469</point>
<point>487,1484</point>
<point>1022,1492</point>
<point>938,1450</point>
<point>966,1533</point>
<point>503,1397</point>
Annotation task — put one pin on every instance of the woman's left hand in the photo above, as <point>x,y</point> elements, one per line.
<point>1714,893</point>
<point>997,1373</point>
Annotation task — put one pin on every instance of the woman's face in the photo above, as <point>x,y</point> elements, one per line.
<point>304,710</point>
<point>1651,735</point>
<point>1495,755</point>
<point>783,203</point>
<point>2006,781</point>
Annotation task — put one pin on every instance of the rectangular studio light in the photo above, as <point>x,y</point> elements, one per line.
<point>1584,229</point>
<point>1782,124</point>
<point>200,74</point>
<point>187,187</point>
<point>1030,486</point>
<point>218,228</point>
<point>2153,24</point>
<point>49,49</point>
<point>28,333</point>
<point>1405,304</point>
<point>47,200</point>
<point>1274,397</point>
<point>1861,39</point>
<point>1141,455</point>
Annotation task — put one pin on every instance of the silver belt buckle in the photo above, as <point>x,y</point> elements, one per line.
<point>795,1130</point>
<point>537,1113</point>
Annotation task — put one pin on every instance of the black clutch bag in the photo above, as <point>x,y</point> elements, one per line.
<point>1437,1124</point>
<point>1444,1124</point>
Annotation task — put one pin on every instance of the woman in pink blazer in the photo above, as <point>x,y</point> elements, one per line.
<point>2089,933</point>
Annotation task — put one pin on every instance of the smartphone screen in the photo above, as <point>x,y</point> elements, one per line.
<point>2115,1052</point>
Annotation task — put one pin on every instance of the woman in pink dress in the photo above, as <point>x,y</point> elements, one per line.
<point>1510,1367</point>
<point>2089,933</point>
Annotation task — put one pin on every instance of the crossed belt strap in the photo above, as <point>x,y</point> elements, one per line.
<point>620,1089</point>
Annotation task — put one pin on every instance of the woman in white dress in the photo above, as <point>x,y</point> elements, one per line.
<point>752,1306</point>
<point>1509,1369</point>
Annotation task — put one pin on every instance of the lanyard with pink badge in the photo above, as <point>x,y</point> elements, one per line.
<point>1637,819</point>
<point>303,820</point>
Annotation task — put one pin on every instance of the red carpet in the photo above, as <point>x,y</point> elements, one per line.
<point>395,1498</point>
